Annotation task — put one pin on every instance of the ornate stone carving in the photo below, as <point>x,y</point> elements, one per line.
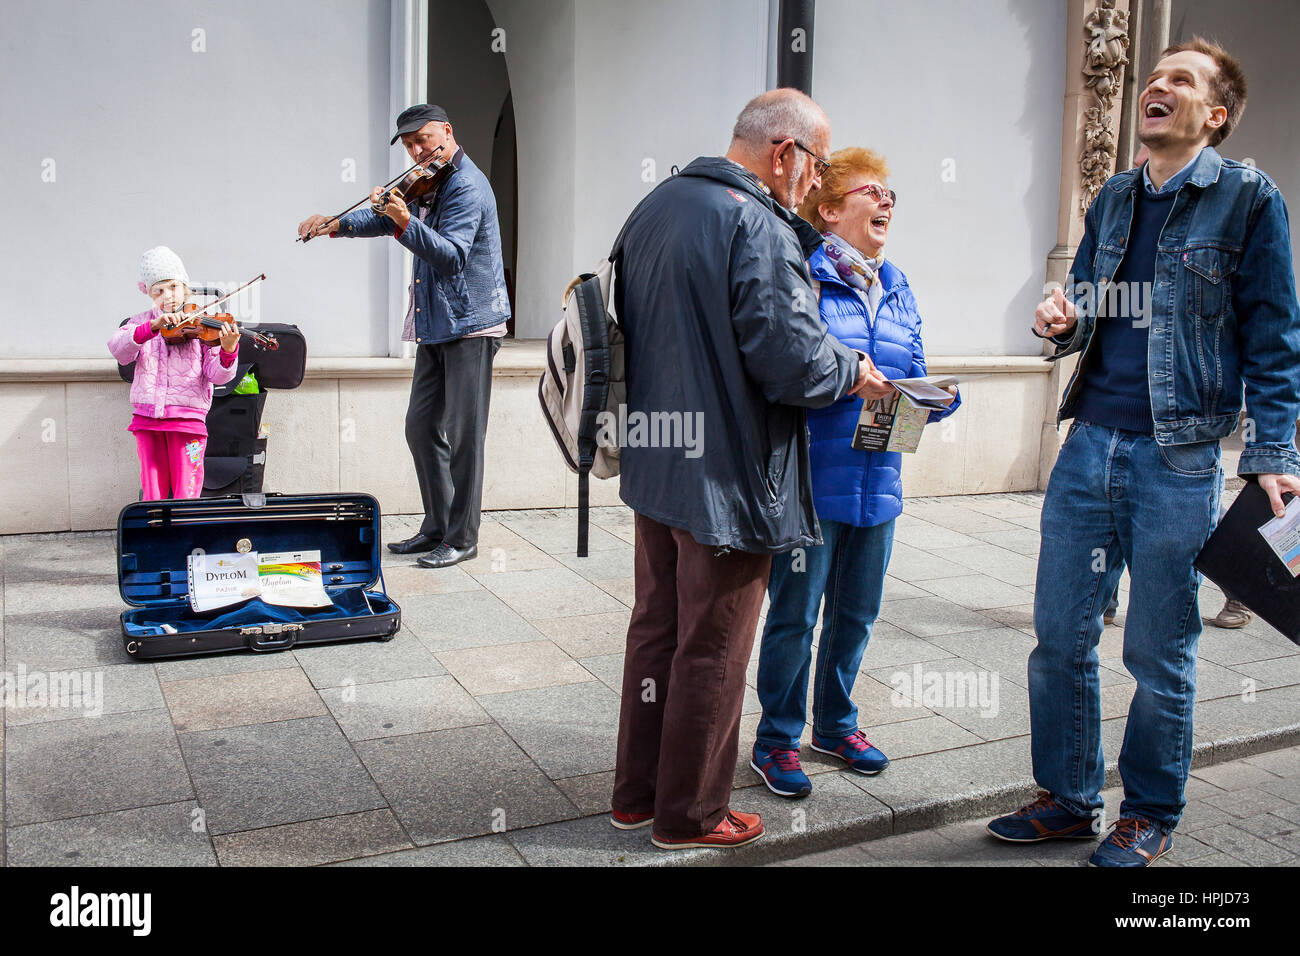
<point>1104,59</point>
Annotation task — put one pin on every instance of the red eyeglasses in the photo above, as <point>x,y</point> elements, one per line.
<point>876,193</point>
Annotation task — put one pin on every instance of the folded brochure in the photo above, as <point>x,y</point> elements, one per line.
<point>1283,536</point>
<point>284,578</point>
<point>895,422</point>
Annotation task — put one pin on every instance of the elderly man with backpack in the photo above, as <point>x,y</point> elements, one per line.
<point>721,326</point>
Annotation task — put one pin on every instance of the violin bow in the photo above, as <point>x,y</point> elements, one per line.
<point>396,179</point>
<point>199,314</point>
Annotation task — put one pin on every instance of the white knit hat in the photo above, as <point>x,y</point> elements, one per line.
<point>160,263</point>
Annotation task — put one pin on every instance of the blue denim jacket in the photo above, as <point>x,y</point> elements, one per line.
<point>1224,314</point>
<point>459,278</point>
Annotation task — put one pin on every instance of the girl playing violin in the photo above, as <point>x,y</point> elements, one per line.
<point>172,389</point>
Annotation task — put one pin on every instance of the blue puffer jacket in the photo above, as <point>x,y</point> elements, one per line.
<point>863,488</point>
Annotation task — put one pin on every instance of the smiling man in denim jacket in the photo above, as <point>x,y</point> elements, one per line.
<point>1181,297</point>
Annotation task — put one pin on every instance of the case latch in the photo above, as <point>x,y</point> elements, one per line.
<point>254,499</point>
<point>269,629</point>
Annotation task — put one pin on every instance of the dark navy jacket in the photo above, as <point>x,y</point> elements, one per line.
<point>863,488</point>
<point>460,282</point>
<point>713,296</point>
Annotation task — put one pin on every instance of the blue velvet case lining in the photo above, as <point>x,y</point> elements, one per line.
<point>349,603</point>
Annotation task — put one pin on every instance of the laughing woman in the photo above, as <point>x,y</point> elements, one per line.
<point>866,304</point>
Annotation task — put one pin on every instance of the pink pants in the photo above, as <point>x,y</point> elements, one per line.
<point>171,464</point>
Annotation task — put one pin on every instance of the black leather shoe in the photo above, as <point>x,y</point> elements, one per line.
<point>414,544</point>
<point>444,556</point>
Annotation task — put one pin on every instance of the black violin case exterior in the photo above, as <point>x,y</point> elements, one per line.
<point>155,539</point>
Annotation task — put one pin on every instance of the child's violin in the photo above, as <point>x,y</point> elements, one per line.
<point>192,323</point>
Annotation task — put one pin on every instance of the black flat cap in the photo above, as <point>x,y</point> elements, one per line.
<point>414,117</point>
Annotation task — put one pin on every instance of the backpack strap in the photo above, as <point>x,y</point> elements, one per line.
<point>595,338</point>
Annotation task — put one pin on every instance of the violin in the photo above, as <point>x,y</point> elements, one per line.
<point>191,323</point>
<point>420,179</point>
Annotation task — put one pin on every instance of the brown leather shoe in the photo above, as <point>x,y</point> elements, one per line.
<point>735,829</point>
<point>1234,614</point>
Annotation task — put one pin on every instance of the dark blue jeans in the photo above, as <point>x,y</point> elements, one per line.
<point>1117,497</point>
<point>848,569</point>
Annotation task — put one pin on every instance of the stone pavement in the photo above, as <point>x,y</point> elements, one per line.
<point>1241,813</point>
<point>484,733</point>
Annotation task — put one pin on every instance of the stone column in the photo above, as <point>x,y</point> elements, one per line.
<point>1095,54</point>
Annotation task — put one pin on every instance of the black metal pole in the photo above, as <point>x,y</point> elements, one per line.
<point>794,44</point>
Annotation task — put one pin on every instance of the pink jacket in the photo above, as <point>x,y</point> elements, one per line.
<point>168,376</point>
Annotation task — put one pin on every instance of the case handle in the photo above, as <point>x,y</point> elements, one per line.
<point>289,634</point>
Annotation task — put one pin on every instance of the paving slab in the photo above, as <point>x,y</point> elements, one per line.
<point>64,594</point>
<point>367,662</point>
<point>497,669</point>
<point>568,730</point>
<point>219,665</point>
<point>1245,846</point>
<point>413,706</point>
<point>403,581</point>
<point>166,835</point>
<point>471,781</point>
<point>63,640</point>
<point>444,622</point>
<point>977,591</point>
<point>233,700</point>
<point>931,616</point>
<point>556,532</point>
<point>314,842</point>
<point>82,692</point>
<point>69,768</point>
<point>591,793</point>
<point>284,772</point>
<point>494,851</point>
<point>588,635</point>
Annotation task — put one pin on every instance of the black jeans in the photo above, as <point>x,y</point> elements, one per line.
<point>446,422</point>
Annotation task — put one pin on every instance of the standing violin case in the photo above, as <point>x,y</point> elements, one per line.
<point>155,538</point>
<point>234,461</point>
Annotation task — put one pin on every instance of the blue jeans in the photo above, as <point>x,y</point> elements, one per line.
<point>1117,497</point>
<point>849,570</point>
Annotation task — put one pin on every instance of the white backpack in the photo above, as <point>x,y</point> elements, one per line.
<point>585,377</point>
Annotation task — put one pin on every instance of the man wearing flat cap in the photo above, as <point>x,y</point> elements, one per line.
<point>456,315</point>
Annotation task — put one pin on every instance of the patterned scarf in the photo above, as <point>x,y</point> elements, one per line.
<point>854,268</point>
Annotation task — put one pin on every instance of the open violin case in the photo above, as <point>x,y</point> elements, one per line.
<point>155,539</point>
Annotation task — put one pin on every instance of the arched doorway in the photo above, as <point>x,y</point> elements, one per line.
<point>469,79</point>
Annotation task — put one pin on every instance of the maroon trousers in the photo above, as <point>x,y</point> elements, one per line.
<point>688,644</point>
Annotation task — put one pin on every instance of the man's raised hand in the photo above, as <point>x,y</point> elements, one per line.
<point>1054,315</point>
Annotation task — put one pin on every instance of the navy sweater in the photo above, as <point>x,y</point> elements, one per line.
<point>1115,390</point>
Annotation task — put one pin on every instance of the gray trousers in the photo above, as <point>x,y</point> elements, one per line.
<point>446,422</point>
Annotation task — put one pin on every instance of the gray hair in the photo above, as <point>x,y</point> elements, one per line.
<point>784,113</point>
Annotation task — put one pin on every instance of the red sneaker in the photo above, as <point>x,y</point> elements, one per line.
<point>735,829</point>
<point>630,821</point>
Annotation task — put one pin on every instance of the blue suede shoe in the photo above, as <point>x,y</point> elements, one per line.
<point>855,750</point>
<point>1045,819</point>
<point>781,772</point>
<point>1134,841</point>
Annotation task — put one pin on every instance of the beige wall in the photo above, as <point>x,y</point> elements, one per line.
<point>69,463</point>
